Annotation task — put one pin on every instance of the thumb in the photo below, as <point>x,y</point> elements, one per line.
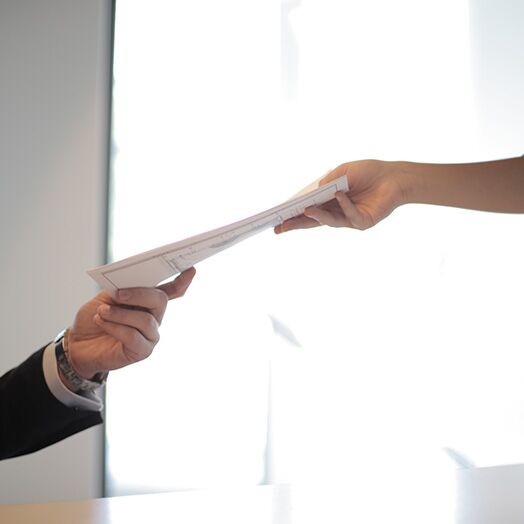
<point>178,287</point>
<point>333,174</point>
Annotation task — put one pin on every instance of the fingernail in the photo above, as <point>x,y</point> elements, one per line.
<point>104,309</point>
<point>124,294</point>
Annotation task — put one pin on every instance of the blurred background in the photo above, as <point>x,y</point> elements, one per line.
<point>332,357</point>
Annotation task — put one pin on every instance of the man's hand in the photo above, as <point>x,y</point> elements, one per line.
<point>110,333</point>
<point>374,192</point>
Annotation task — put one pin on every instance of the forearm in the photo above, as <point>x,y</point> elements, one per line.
<point>488,186</point>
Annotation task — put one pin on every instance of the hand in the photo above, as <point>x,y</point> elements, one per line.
<point>110,333</point>
<point>374,192</point>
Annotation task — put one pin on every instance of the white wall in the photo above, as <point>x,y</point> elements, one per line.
<point>54,85</point>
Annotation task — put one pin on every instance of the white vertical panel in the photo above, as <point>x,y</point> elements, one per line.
<point>498,72</point>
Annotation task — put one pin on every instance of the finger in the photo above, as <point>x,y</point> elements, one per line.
<point>135,346</point>
<point>300,222</point>
<point>152,299</point>
<point>349,209</point>
<point>327,218</point>
<point>178,287</point>
<point>144,321</point>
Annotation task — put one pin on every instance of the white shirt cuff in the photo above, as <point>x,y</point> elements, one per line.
<point>87,400</point>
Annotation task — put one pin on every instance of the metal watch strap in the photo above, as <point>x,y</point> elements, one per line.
<point>62,359</point>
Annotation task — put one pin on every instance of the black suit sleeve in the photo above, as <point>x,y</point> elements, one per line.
<point>31,417</point>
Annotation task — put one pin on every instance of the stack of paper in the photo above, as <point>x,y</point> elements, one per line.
<point>152,267</point>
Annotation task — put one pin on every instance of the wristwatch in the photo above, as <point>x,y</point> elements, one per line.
<point>64,363</point>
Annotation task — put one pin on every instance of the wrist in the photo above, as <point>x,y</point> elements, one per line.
<point>409,181</point>
<point>74,378</point>
<point>84,363</point>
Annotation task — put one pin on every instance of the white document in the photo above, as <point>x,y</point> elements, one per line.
<point>152,267</point>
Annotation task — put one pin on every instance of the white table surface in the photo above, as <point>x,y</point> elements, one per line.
<point>260,505</point>
<point>475,496</point>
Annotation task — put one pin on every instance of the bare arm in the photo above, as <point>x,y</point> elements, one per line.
<point>487,186</point>
<point>376,188</point>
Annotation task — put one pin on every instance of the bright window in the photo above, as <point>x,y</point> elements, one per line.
<point>409,334</point>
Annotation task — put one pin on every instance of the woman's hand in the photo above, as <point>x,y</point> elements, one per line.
<point>375,190</point>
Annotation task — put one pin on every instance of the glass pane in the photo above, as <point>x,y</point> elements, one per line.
<point>185,97</point>
<point>381,348</point>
